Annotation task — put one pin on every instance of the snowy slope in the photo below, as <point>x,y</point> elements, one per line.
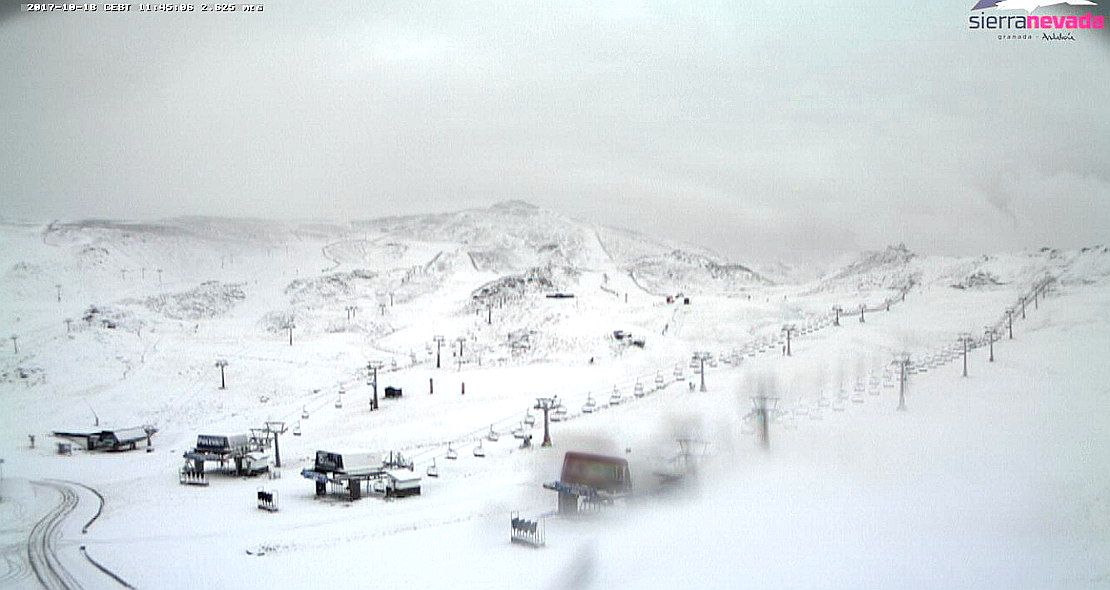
<point>832,504</point>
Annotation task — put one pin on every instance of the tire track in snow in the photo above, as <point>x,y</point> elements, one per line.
<point>41,543</point>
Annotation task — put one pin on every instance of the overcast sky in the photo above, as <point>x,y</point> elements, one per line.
<point>762,129</point>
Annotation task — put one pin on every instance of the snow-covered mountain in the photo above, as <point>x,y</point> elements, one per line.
<point>123,323</point>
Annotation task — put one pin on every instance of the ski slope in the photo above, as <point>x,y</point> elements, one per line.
<point>995,480</point>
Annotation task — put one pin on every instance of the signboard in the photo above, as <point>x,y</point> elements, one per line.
<point>210,441</point>
<point>326,461</point>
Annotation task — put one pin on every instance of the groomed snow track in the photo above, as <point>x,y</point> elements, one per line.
<point>41,549</point>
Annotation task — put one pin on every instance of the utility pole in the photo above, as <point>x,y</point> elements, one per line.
<point>1010,322</point>
<point>460,340</point>
<point>701,357</point>
<point>391,299</point>
<point>489,313</point>
<point>788,329</point>
<point>990,333</point>
<point>159,277</point>
<point>862,308</point>
<point>15,343</point>
<point>373,366</point>
<point>439,344</point>
<point>382,306</point>
<point>965,338</point>
<point>142,273</point>
<point>123,273</point>
<point>59,288</point>
<point>221,363</point>
<point>836,318</point>
<point>903,362</point>
<point>69,322</point>
<point>1023,307</point>
<point>546,404</point>
<point>290,326</point>
<point>274,428</point>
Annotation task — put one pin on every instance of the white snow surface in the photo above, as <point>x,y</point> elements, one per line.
<point>996,480</point>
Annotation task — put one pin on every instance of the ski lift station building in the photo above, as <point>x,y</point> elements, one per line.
<point>589,481</point>
<point>349,469</point>
<point>242,450</point>
<point>112,440</point>
<point>356,472</point>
